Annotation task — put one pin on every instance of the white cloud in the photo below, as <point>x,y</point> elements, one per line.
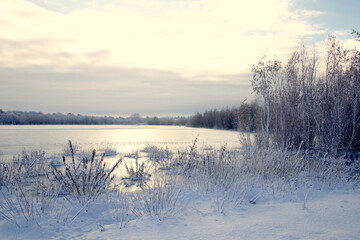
<point>109,91</point>
<point>133,55</point>
<point>190,37</point>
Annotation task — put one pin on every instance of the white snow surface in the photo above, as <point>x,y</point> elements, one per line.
<point>326,214</point>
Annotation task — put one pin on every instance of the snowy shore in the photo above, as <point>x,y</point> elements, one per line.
<point>209,194</point>
<point>327,215</point>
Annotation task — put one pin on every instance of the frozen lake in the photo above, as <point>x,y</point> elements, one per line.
<point>125,138</point>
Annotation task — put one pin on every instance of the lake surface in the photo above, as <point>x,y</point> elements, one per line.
<point>124,138</point>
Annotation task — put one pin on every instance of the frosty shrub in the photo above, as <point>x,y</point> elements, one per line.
<point>26,168</point>
<point>121,207</point>
<point>73,151</point>
<point>7,171</point>
<point>160,157</point>
<point>186,161</point>
<point>26,194</point>
<point>84,179</point>
<point>31,164</point>
<point>18,205</point>
<point>158,200</point>
<point>138,173</point>
<point>287,169</point>
<point>109,150</point>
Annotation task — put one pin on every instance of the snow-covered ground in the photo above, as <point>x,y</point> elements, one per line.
<point>330,215</point>
<point>216,194</point>
<point>327,215</point>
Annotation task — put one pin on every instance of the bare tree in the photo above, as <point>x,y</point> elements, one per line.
<point>265,77</point>
<point>303,110</point>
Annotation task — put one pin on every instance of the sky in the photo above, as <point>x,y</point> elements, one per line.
<point>153,57</point>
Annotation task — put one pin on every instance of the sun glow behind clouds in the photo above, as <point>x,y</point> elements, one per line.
<point>154,56</point>
<point>189,37</point>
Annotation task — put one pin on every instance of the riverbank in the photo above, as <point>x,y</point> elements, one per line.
<point>189,194</point>
<point>327,215</point>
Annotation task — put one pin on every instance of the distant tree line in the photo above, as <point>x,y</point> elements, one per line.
<point>245,117</point>
<point>304,107</point>
<point>177,121</point>
<point>37,118</point>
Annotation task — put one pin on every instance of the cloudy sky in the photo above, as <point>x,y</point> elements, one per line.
<point>153,57</point>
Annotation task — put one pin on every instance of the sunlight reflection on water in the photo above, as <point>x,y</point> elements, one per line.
<point>124,138</point>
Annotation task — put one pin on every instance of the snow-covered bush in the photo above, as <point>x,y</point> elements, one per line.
<point>7,171</point>
<point>31,164</point>
<point>109,150</point>
<point>185,161</point>
<point>160,157</point>
<point>158,199</point>
<point>24,194</point>
<point>137,173</point>
<point>26,167</point>
<point>67,151</point>
<point>18,205</point>
<point>84,179</point>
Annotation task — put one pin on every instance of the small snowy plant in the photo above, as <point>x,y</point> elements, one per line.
<point>158,200</point>
<point>25,194</point>
<point>31,164</point>
<point>109,150</point>
<point>84,179</point>
<point>73,151</point>
<point>137,173</point>
<point>161,157</point>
